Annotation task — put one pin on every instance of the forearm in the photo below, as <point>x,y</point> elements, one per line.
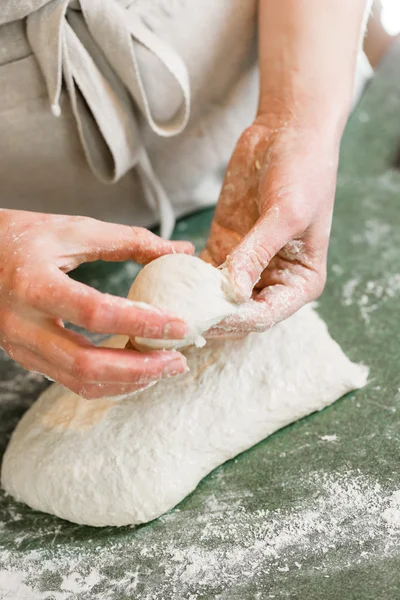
<point>307,56</point>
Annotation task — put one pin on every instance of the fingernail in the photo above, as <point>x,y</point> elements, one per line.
<point>237,282</point>
<point>176,367</point>
<point>174,330</point>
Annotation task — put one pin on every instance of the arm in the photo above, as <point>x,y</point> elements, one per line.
<point>307,56</point>
<point>273,219</point>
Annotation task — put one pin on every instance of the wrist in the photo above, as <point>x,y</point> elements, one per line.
<point>292,136</point>
<point>317,113</point>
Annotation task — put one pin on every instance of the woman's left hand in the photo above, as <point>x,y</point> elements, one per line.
<point>272,223</point>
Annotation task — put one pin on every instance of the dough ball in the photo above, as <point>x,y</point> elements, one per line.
<point>187,286</point>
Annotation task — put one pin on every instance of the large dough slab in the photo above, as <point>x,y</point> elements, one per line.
<point>103,462</point>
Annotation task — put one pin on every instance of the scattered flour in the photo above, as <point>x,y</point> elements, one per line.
<point>392,514</point>
<point>370,295</point>
<point>374,233</point>
<point>378,239</point>
<point>337,270</point>
<point>348,291</point>
<point>343,520</point>
<point>388,181</point>
<point>363,117</point>
<point>74,582</point>
<point>329,438</point>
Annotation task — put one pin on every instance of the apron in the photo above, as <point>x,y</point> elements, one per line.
<point>125,110</point>
<point>97,92</point>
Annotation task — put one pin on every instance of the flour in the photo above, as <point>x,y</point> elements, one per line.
<point>348,291</point>
<point>329,438</point>
<point>374,233</point>
<point>363,116</point>
<point>74,582</point>
<point>226,546</point>
<point>370,295</point>
<point>376,280</point>
<point>392,514</point>
<point>337,269</point>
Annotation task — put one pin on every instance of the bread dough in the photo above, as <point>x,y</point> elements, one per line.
<point>118,463</point>
<point>188,287</point>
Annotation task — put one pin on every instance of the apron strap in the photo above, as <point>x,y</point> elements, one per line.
<point>93,51</point>
<point>117,36</point>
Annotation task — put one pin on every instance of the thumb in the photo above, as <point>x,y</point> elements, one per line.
<point>245,264</point>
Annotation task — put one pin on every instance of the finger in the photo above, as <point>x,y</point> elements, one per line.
<point>251,256</point>
<point>97,240</point>
<point>82,305</point>
<point>32,362</point>
<point>82,361</point>
<point>269,307</point>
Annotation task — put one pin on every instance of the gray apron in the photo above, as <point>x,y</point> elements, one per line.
<point>147,96</point>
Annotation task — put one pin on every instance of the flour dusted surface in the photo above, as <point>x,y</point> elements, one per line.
<point>220,551</point>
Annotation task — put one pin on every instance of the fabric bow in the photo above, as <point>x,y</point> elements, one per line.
<point>93,46</point>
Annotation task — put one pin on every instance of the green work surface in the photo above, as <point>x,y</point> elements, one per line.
<point>309,513</point>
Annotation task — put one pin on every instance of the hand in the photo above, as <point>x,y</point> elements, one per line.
<point>273,219</point>
<point>36,295</point>
<point>272,223</point>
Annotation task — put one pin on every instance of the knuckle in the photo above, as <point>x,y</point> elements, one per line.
<point>261,257</point>
<point>77,220</point>
<point>139,236</point>
<point>20,283</point>
<point>298,218</point>
<point>140,232</point>
<point>252,135</point>
<point>84,367</point>
<point>91,316</point>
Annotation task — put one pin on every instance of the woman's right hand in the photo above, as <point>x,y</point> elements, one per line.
<point>36,296</point>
